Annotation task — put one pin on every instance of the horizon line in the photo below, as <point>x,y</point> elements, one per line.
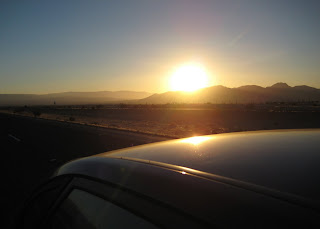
<point>126,90</point>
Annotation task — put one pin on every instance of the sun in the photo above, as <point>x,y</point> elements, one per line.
<point>189,77</point>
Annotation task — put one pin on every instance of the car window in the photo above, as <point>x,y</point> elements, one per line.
<point>38,206</point>
<point>85,210</point>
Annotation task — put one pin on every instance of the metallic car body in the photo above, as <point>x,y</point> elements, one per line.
<point>258,179</point>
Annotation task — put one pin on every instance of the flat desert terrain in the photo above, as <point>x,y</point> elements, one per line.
<point>177,121</point>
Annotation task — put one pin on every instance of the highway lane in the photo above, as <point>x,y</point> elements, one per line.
<point>32,149</point>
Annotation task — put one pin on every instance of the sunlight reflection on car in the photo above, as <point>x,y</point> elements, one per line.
<point>197,139</point>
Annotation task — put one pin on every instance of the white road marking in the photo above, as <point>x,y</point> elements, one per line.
<point>15,138</point>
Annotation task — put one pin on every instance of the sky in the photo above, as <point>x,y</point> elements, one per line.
<point>96,45</point>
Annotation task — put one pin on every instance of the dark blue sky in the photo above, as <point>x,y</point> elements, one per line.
<point>55,46</point>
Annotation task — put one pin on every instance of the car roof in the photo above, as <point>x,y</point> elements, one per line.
<point>284,160</point>
<point>273,171</point>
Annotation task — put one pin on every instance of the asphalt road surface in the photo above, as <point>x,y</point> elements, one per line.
<point>32,149</point>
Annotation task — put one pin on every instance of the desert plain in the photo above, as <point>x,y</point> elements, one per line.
<point>181,120</point>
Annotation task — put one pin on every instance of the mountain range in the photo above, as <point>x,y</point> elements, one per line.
<point>279,92</point>
<point>70,98</point>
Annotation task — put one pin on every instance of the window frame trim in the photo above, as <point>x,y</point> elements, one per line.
<point>97,187</point>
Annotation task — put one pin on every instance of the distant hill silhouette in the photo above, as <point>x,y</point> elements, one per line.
<point>279,92</point>
<point>70,98</point>
<point>280,85</point>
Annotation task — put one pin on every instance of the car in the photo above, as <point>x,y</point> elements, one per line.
<point>254,179</point>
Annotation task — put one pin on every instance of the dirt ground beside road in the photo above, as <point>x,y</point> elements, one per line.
<point>179,123</point>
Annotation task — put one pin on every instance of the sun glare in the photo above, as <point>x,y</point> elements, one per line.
<point>196,140</point>
<point>189,77</point>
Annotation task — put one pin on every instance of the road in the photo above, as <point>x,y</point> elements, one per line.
<point>32,149</point>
